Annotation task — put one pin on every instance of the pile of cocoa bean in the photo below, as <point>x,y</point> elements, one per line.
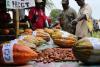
<point>55,55</point>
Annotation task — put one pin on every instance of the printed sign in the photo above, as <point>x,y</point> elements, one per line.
<point>19,4</point>
<point>7,51</point>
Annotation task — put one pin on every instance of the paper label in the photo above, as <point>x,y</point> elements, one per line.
<point>13,41</point>
<point>7,51</point>
<point>65,34</point>
<point>34,33</point>
<point>95,42</point>
<point>21,37</point>
<point>95,55</point>
<point>99,24</point>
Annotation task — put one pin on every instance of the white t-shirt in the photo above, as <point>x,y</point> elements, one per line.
<point>85,10</point>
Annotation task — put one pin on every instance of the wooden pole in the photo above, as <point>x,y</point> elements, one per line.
<point>16,21</point>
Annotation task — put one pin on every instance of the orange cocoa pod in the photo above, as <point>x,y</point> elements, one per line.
<point>28,31</point>
<point>21,54</point>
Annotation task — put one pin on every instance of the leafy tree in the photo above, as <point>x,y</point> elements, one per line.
<point>55,14</point>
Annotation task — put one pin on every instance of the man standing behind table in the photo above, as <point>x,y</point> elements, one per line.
<point>84,25</point>
<point>36,16</point>
<point>67,15</point>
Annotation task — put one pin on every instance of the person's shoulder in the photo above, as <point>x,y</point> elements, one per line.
<point>87,5</point>
<point>72,9</point>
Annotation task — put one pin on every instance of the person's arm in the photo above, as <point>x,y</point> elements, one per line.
<point>60,18</point>
<point>30,16</point>
<point>74,14</point>
<point>79,19</point>
<point>83,16</point>
<point>86,13</point>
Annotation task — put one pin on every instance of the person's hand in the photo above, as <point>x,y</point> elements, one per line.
<point>70,25</point>
<point>74,22</point>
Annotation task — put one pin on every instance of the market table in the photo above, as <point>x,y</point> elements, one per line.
<point>51,44</point>
<point>53,64</point>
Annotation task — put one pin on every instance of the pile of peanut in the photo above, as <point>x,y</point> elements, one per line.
<point>56,55</point>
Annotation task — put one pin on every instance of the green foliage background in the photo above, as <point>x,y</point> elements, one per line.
<point>55,14</point>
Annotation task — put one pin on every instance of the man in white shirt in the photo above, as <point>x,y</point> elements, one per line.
<point>83,28</point>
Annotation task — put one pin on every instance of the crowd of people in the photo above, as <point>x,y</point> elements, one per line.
<point>69,20</point>
<point>79,24</point>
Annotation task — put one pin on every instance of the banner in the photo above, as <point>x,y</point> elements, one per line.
<point>19,4</point>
